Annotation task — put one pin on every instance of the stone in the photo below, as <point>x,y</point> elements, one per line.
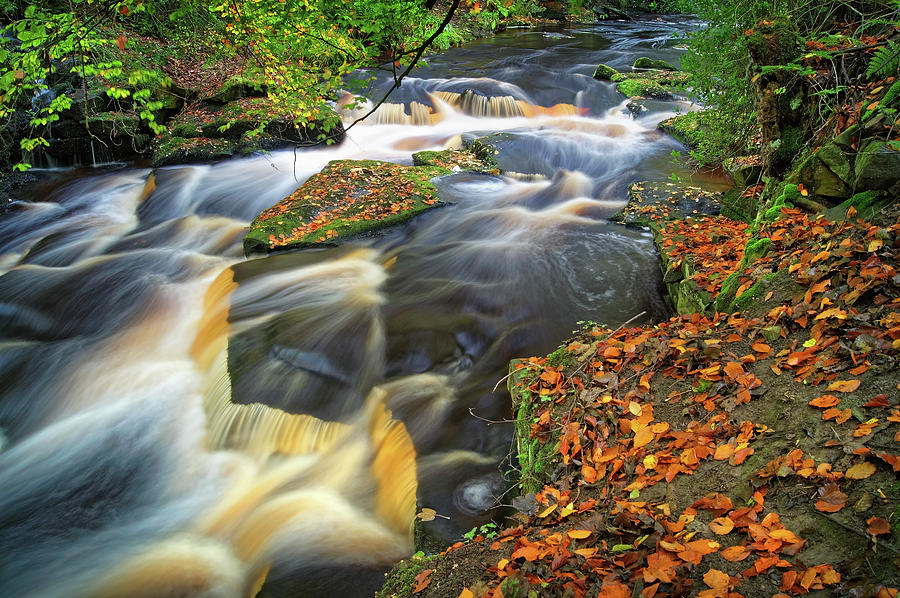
<point>877,166</point>
<point>648,63</point>
<point>605,73</point>
<point>745,171</point>
<point>347,199</point>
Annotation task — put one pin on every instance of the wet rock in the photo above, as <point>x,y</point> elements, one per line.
<point>820,180</point>
<point>212,133</point>
<point>648,63</point>
<point>689,128</point>
<point>877,166</point>
<point>650,202</point>
<point>346,199</point>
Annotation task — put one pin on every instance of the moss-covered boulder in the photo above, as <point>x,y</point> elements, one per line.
<point>346,199</point>
<point>648,63</point>
<point>689,128</point>
<point>826,173</point>
<point>605,73</point>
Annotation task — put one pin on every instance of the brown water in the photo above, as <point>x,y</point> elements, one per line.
<point>177,420</point>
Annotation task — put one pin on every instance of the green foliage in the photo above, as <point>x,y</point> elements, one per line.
<point>885,61</point>
<point>46,49</point>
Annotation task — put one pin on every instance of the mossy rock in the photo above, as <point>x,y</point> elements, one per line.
<point>450,159</point>
<point>606,73</point>
<point>744,170</point>
<point>866,204</point>
<point>814,173</point>
<point>401,579</point>
<point>180,150</point>
<point>688,128</point>
<point>648,63</point>
<point>640,87</point>
<point>236,88</point>
<point>348,198</point>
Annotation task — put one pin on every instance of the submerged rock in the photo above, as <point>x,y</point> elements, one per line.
<point>346,199</point>
<point>650,202</point>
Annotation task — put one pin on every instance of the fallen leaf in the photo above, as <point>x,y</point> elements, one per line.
<point>878,526</point>
<point>466,593</point>
<point>735,553</point>
<point>579,534</point>
<point>721,525</point>
<point>843,385</point>
<point>427,514</point>
<point>831,499</point>
<point>860,471</point>
<point>717,580</point>
<point>825,401</point>
<point>422,580</point>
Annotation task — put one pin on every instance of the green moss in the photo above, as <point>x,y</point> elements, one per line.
<point>755,249</point>
<point>648,63</point>
<point>401,579</point>
<point>789,193</point>
<point>866,203</point>
<point>729,287</point>
<point>536,458</point>
<point>753,293</point>
<point>562,357</point>
<point>641,87</point>
<point>605,73</point>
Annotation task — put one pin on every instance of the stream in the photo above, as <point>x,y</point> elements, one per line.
<point>177,420</point>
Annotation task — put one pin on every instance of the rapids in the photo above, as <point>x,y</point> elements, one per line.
<point>176,420</point>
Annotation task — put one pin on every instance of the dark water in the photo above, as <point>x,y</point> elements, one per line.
<point>175,418</point>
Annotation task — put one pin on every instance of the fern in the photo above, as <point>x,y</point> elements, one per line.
<point>885,60</point>
<point>891,94</point>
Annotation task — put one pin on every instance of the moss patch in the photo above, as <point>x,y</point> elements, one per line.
<point>346,199</point>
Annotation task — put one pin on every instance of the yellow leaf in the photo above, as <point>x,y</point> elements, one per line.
<point>466,593</point>
<point>579,534</point>
<point>650,462</point>
<point>635,408</point>
<point>548,510</point>
<point>860,471</point>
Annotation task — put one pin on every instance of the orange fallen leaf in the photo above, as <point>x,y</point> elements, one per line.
<point>825,401</point>
<point>717,580</point>
<point>579,534</point>
<point>643,437</point>
<point>721,525</point>
<point>735,553</point>
<point>466,593</point>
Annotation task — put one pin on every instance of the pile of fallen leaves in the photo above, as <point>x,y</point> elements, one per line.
<point>719,455</point>
<point>715,244</point>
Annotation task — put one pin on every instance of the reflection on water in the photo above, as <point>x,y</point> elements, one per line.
<point>176,420</point>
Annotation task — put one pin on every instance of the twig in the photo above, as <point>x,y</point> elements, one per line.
<point>490,421</point>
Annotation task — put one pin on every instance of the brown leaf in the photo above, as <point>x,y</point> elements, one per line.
<point>427,514</point>
<point>878,526</point>
<point>717,580</point>
<point>422,580</point>
<point>832,499</point>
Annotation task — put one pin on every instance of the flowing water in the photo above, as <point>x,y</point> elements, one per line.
<point>178,420</point>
